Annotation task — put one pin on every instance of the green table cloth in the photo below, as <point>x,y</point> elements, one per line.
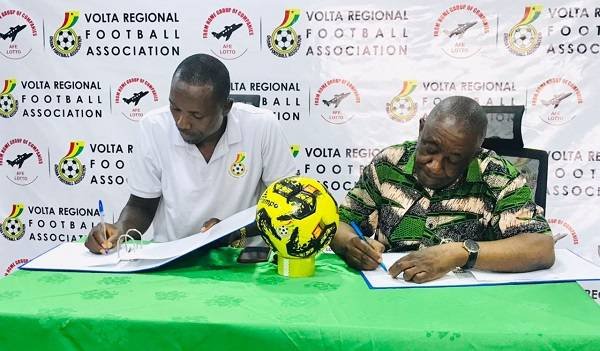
<point>209,302</point>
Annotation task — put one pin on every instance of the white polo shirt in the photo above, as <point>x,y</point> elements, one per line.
<point>252,153</point>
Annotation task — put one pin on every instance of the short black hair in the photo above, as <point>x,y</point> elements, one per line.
<point>462,109</point>
<point>202,69</point>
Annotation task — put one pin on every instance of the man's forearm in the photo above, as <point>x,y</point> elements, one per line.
<point>137,214</point>
<point>520,253</point>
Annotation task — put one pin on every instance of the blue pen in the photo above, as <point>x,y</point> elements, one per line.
<point>101,210</point>
<point>360,234</point>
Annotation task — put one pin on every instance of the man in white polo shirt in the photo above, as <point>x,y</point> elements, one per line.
<point>199,159</point>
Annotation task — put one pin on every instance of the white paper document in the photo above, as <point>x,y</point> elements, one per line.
<point>567,267</point>
<point>76,257</point>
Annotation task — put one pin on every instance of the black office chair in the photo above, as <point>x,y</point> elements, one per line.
<point>504,137</point>
<point>249,99</point>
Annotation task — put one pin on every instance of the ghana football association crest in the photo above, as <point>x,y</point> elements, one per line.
<point>12,227</point>
<point>238,168</point>
<point>69,169</point>
<point>523,39</point>
<point>402,108</point>
<point>65,42</point>
<point>8,104</point>
<point>284,41</point>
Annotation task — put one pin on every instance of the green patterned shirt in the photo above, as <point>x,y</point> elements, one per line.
<point>490,202</point>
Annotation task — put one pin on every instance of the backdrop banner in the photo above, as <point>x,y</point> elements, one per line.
<point>345,79</point>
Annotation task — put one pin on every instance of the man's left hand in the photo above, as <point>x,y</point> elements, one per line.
<point>430,263</point>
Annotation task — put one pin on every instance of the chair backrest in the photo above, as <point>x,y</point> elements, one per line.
<point>249,99</point>
<point>504,127</point>
<point>504,137</point>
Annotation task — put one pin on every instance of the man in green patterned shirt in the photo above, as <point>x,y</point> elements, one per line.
<point>459,205</point>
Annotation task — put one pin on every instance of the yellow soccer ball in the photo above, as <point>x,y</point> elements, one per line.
<point>297,217</point>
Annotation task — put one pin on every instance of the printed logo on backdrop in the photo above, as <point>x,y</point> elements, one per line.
<point>238,168</point>
<point>335,166</point>
<point>134,97</point>
<point>563,230</point>
<point>59,223</point>
<point>284,98</point>
<point>556,101</point>
<point>106,163</point>
<point>130,33</point>
<point>229,32</point>
<point>21,161</point>
<point>337,100</point>
<point>485,92</point>
<point>69,169</point>
<point>12,227</point>
<point>356,31</point>
<point>402,108</point>
<point>523,38</point>
<point>15,264</point>
<point>284,41</point>
<point>8,104</point>
<point>295,150</point>
<point>574,29</point>
<point>65,42</point>
<point>17,40</point>
<point>461,30</point>
<point>62,99</point>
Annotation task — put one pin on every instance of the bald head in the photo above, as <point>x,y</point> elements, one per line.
<point>449,139</point>
<point>461,111</point>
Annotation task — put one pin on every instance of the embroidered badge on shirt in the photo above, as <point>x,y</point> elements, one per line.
<point>238,169</point>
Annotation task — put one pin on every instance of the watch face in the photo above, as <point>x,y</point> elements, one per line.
<point>471,245</point>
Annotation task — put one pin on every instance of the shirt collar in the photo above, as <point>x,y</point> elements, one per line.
<point>409,167</point>
<point>474,171</point>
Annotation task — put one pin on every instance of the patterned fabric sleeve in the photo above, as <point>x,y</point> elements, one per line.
<point>360,204</point>
<point>515,211</point>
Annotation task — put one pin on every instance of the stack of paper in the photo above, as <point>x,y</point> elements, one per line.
<point>76,257</point>
<point>567,267</point>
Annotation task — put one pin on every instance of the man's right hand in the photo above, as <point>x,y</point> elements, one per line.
<point>363,256</point>
<point>96,242</point>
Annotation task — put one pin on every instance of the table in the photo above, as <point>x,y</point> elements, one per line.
<point>208,302</point>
